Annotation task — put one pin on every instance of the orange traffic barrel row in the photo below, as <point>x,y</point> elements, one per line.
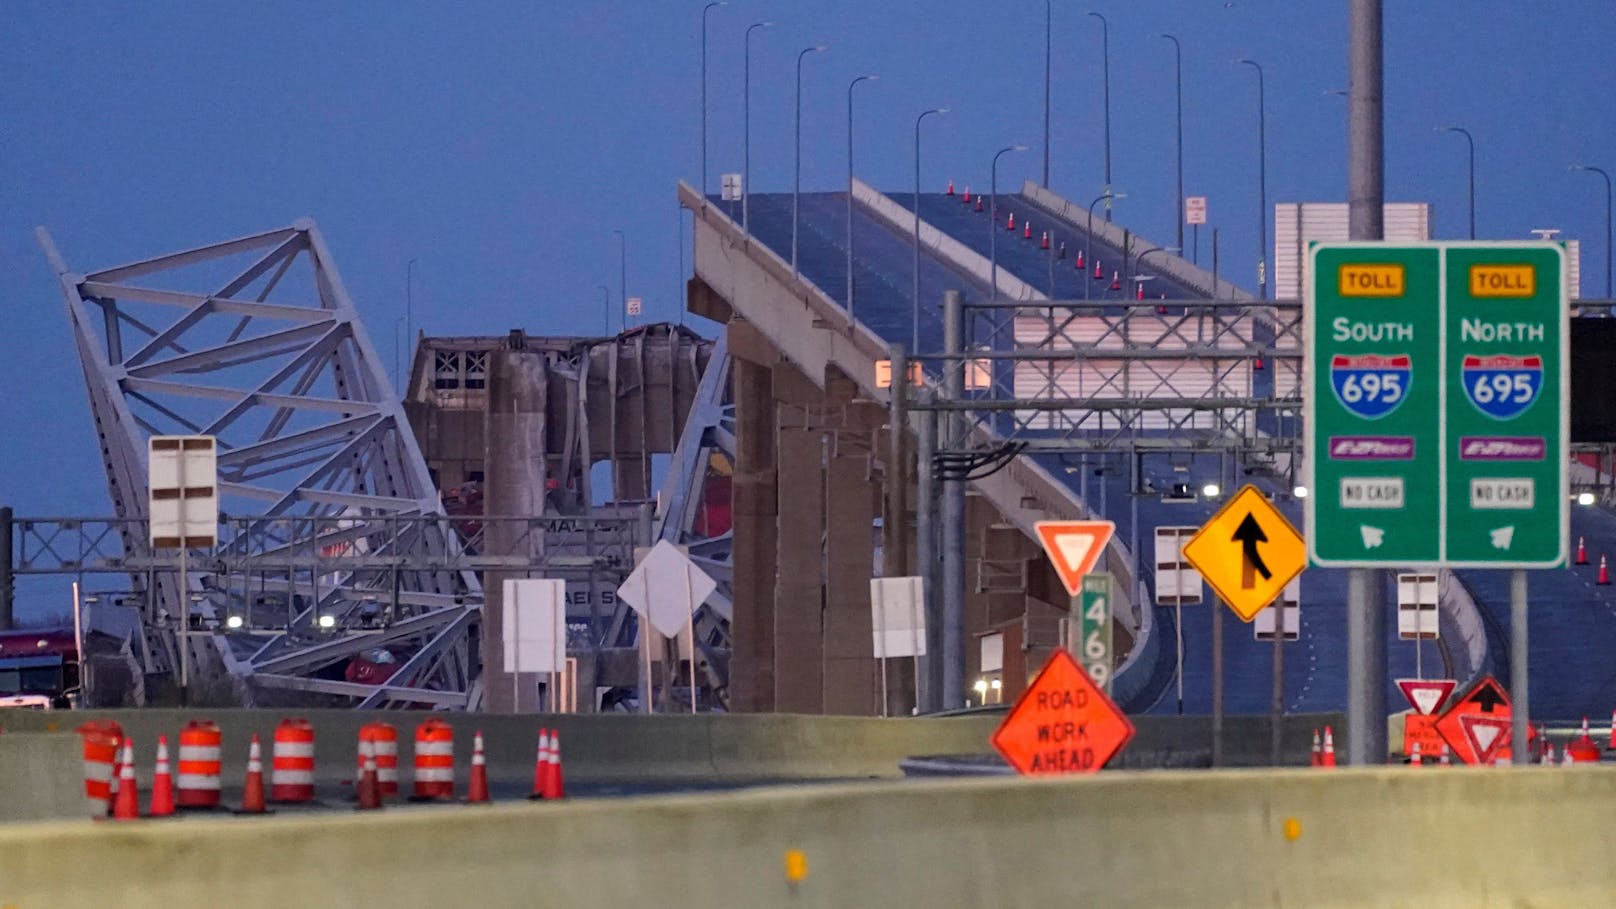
<point>291,775</point>
<point>434,760</point>
<point>383,739</point>
<point>197,782</point>
<point>101,739</point>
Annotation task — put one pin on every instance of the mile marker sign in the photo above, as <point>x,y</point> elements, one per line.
<point>1062,723</point>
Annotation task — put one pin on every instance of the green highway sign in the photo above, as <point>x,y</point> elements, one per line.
<point>1095,628</point>
<point>1435,404</point>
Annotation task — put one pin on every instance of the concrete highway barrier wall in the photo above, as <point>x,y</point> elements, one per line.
<point>596,747</point>
<point>1428,838</point>
<point>40,777</point>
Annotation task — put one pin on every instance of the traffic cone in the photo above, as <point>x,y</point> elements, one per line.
<point>1060,251</point>
<point>1116,280</point>
<point>541,766</point>
<point>1445,759</point>
<point>1604,573</point>
<point>370,792</point>
<point>1098,274</point>
<point>1566,760</point>
<point>1044,243</point>
<point>1612,745</point>
<point>1011,223</point>
<point>1026,231</point>
<point>477,791</point>
<point>162,794</point>
<point>978,203</point>
<point>1139,292</point>
<point>1257,363</point>
<point>1582,552</point>
<point>1317,756</point>
<point>1548,756</point>
<point>558,788</point>
<point>967,197</point>
<point>1542,740</point>
<point>252,793</point>
<point>1328,757</point>
<point>1414,758</point>
<point>126,806</point>
<point>1077,263</point>
<point>950,187</point>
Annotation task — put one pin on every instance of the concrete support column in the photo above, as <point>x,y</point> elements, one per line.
<point>751,669</point>
<point>799,582</point>
<point>851,684</point>
<point>515,486</point>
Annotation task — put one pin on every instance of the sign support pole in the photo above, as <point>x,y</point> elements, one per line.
<point>1178,629</point>
<point>185,611</point>
<point>1217,681</point>
<point>1278,719</point>
<point>1519,718</point>
<point>1366,668</point>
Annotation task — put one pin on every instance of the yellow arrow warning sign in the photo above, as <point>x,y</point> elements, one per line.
<point>1248,552</point>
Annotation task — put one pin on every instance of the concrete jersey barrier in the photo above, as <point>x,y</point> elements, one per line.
<point>1434,839</point>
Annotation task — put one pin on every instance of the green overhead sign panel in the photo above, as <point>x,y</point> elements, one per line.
<point>1436,410</point>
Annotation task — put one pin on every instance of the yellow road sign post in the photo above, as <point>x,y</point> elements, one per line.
<point>1248,552</point>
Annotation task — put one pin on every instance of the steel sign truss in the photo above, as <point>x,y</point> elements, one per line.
<point>256,342</point>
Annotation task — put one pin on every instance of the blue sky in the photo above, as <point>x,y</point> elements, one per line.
<point>499,144</point>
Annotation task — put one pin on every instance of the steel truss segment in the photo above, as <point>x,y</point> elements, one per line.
<point>306,421</point>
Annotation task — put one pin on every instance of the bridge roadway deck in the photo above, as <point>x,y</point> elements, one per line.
<point>1574,624</point>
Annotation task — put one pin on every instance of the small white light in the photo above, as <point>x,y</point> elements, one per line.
<point>997,685</point>
<point>233,622</point>
<point>981,686</point>
<point>328,621</point>
<point>1210,490</point>
<point>1299,492</point>
<point>1585,498</point>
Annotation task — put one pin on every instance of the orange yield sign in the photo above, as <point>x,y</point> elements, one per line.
<point>1073,547</point>
<point>1248,552</point>
<point>1062,723</point>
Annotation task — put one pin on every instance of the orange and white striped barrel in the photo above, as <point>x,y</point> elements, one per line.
<point>101,739</point>
<point>383,738</point>
<point>291,774</point>
<point>197,782</point>
<point>434,760</point>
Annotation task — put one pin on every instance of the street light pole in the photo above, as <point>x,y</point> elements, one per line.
<point>1470,143</point>
<point>1048,21</point>
<point>796,167</point>
<point>606,307</point>
<point>1139,263</point>
<point>1088,241</point>
<point>1601,172</point>
<point>746,121</point>
<point>704,11</point>
<point>993,220</point>
<point>1105,66</point>
<point>1178,84</point>
<point>850,86</point>
<point>622,281</point>
<point>1262,184</point>
<point>914,299</point>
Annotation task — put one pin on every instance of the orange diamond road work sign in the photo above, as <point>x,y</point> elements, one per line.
<point>1073,547</point>
<point>1477,726</point>
<point>1062,723</point>
<point>1248,552</point>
